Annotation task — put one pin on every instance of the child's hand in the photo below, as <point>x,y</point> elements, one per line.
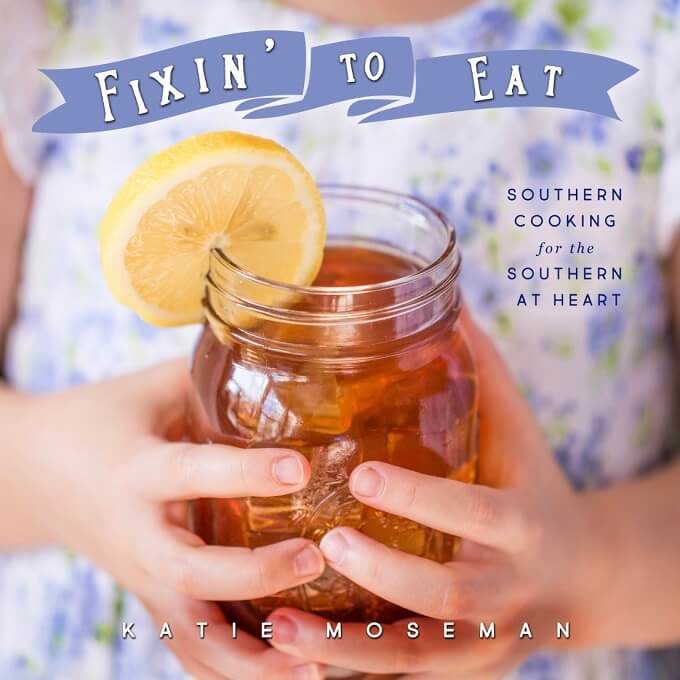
<point>103,479</point>
<point>530,552</point>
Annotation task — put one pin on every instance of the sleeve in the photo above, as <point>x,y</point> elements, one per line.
<point>668,98</point>
<point>26,34</point>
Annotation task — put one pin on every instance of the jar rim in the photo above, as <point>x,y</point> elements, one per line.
<point>366,193</point>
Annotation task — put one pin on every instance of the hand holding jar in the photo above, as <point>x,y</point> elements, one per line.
<point>530,552</point>
<point>115,489</point>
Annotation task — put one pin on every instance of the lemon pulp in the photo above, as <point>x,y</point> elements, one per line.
<point>243,194</point>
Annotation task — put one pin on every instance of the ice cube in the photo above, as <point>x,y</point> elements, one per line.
<point>254,408</point>
<point>317,403</point>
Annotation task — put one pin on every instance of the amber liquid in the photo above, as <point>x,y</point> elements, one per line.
<point>415,408</point>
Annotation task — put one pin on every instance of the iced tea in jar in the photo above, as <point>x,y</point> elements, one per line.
<point>368,363</point>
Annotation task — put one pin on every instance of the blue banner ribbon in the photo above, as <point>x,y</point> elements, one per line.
<point>271,73</point>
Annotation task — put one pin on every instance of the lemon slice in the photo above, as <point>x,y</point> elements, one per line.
<point>246,195</point>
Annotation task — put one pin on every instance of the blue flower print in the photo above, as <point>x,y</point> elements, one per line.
<point>490,28</point>
<point>480,204</point>
<point>543,159</point>
<point>72,611</point>
<point>50,149</point>
<point>18,668</point>
<point>494,24</point>
<point>660,664</point>
<point>669,7</point>
<point>634,157</point>
<point>647,159</point>
<point>549,35</point>
<point>652,322</point>
<point>541,667</point>
<point>580,456</point>
<point>586,126</point>
<point>156,30</point>
<point>604,330</point>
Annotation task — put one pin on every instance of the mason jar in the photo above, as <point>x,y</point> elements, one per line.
<point>368,363</point>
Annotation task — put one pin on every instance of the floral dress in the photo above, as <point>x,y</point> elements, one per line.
<point>598,378</point>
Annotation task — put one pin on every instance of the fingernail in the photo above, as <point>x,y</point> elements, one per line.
<point>308,562</point>
<point>367,482</point>
<point>308,672</point>
<point>334,546</point>
<point>288,470</point>
<point>283,629</point>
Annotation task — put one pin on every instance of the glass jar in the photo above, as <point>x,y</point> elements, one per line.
<point>366,364</point>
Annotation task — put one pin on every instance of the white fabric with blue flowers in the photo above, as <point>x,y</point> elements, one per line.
<point>598,379</point>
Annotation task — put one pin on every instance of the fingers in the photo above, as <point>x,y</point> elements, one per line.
<point>177,513</point>
<point>196,669</point>
<point>465,674</point>
<point>216,654</point>
<point>448,592</point>
<point>267,663</point>
<point>218,573</point>
<point>390,650</point>
<point>490,365</point>
<point>512,445</point>
<point>478,513</point>
<point>305,635</point>
<point>182,471</point>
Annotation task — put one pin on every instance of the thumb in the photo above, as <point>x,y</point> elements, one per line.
<point>510,439</point>
<point>161,394</point>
